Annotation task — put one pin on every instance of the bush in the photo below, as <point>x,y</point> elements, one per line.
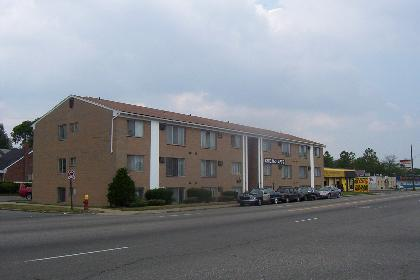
<point>232,194</point>
<point>202,195</point>
<point>156,202</point>
<point>9,188</point>
<point>191,200</point>
<point>121,192</point>
<point>160,194</point>
<point>138,202</point>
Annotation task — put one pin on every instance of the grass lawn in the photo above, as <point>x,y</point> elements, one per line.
<point>27,207</point>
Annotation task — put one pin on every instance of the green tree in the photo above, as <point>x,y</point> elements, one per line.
<point>346,160</point>
<point>121,192</point>
<point>5,142</point>
<point>23,133</point>
<point>328,159</point>
<point>369,162</point>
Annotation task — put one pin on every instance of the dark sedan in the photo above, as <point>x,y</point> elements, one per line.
<point>308,193</point>
<point>288,194</point>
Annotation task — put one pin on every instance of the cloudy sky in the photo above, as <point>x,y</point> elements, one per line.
<point>345,73</point>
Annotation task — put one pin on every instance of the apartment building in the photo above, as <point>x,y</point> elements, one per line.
<point>95,137</point>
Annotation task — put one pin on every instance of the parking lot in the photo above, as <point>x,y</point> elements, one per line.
<point>359,237</point>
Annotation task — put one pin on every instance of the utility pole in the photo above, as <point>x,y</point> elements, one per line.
<point>412,168</point>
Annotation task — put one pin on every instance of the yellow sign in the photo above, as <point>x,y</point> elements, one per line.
<point>334,173</point>
<point>361,184</point>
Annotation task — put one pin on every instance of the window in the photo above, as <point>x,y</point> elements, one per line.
<point>267,169</point>
<point>175,135</point>
<point>135,128</point>
<point>303,172</point>
<point>175,167</point>
<point>62,165</point>
<point>317,171</point>
<point>237,168</point>
<point>286,172</point>
<point>208,139</point>
<point>62,132</point>
<point>74,127</point>
<point>135,163</point>
<point>285,149</point>
<point>208,168</point>
<point>236,141</point>
<point>266,145</point>
<point>303,150</point>
<point>61,194</point>
<point>317,151</point>
<point>73,161</point>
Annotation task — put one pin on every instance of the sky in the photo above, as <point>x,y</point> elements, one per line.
<point>343,73</point>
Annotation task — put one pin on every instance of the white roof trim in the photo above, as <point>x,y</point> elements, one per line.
<point>13,163</point>
<point>188,124</point>
<point>67,98</point>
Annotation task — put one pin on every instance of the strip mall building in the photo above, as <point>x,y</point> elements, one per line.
<point>95,137</point>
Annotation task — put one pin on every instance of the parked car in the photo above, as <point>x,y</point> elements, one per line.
<point>329,192</point>
<point>258,197</point>
<point>25,191</point>
<point>308,193</point>
<point>288,194</point>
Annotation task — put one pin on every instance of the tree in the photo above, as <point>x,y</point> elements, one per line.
<point>328,159</point>
<point>121,192</point>
<point>5,142</point>
<point>369,162</point>
<point>23,133</point>
<point>346,160</point>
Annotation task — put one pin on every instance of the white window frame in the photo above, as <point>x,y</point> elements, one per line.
<point>208,168</point>
<point>208,139</point>
<point>317,151</point>
<point>266,146</point>
<point>287,151</point>
<point>135,128</point>
<point>237,168</point>
<point>73,162</point>
<point>135,163</point>
<point>62,132</point>
<point>180,167</point>
<point>62,165</point>
<point>268,169</point>
<point>286,172</point>
<point>305,175</point>
<point>317,171</point>
<point>175,135</point>
<point>236,141</point>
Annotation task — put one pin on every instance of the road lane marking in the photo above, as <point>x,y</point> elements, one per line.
<point>306,220</point>
<point>77,254</point>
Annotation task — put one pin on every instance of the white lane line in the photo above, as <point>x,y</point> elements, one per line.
<point>77,254</point>
<point>309,219</point>
<point>297,221</point>
<point>315,218</point>
<point>173,215</point>
<point>161,216</point>
<point>187,214</point>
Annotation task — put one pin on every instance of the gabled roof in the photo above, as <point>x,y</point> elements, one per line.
<point>192,120</point>
<point>11,157</point>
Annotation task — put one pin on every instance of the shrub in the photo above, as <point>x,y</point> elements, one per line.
<point>202,195</point>
<point>121,192</point>
<point>138,202</point>
<point>9,188</point>
<point>159,194</point>
<point>156,202</point>
<point>232,194</point>
<point>191,200</point>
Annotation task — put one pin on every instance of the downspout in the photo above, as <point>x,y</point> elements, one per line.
<point>115,114</point>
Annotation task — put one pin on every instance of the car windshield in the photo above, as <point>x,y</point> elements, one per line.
<point>254,192</point>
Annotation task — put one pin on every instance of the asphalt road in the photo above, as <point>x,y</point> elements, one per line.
<point>361,237</point>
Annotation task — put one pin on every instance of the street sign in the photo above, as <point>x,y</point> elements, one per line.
<point>274,161</point>
<point>71,175</point>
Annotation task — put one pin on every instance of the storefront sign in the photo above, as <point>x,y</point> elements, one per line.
<point>274,161</point>
<point>334,173</point>
<point>361,184</point>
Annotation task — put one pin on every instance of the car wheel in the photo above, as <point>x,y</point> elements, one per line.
<point>329,195</point>
<point>259,202</point>
<point>29,196</point>
<point>298,199</point>
<point>287,200</point>
<point>241,204</point>
<point>305,198</point>
<point>276,200</point>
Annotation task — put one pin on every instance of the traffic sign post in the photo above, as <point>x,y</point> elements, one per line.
<point>71,175</point>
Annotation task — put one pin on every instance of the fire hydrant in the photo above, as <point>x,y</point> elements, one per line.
<point>86,202</point>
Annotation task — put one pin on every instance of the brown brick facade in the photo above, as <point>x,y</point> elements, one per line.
<point>96,162</point>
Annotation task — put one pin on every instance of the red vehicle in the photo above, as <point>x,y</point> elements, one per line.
<point>25,191</point>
